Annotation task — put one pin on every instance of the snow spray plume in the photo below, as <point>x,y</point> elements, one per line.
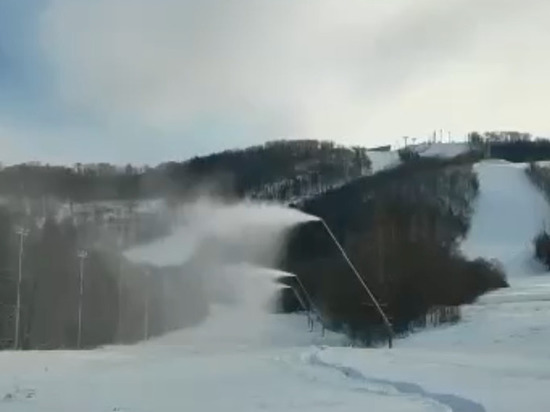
<point>227,245</point>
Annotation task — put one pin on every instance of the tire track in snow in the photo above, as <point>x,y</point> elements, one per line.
<point>448,402</point>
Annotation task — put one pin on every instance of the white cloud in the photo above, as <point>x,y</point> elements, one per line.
<point>356,71</point>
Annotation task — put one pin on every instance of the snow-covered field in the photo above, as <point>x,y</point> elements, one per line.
<point>496,360</point>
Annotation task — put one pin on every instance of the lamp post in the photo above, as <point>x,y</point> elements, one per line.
<point>22,233</point>
<point>146,312</point>
<point>119,289</point>
<point>82,255</point>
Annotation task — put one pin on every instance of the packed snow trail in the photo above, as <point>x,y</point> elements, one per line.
<point>509,213</point>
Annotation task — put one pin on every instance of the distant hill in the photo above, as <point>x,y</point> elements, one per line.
<point>277,170</point>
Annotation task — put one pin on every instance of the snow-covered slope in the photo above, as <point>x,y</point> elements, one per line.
<point>509,214</point>
<point>226,364</point>
<point>383,160</point>
<point>496,360</point>
<point>444,150</point>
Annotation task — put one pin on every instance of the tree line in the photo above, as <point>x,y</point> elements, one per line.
<point>540,177</point>
<point>276,170</point>
<point>513,146</point>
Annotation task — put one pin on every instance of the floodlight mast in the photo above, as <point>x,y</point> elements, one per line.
<point>22,233</point>
<point>82,255</point>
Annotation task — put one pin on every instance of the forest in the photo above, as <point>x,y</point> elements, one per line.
<point>513,146</point>
<point>540,177</point>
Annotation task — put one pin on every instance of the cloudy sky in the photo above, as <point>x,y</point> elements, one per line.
<point>153,80</point>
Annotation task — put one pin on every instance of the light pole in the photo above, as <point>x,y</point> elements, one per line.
<point>22,233</point>
<point>119,290</point>
<point>146,314</point>
<point>82,255</point>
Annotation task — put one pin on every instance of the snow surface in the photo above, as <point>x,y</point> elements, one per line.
<point>509,214</point>
<point>383,160</point>
<point>444,150</point>
<point>386,160</point>
<point>496,360</point>
<point>222,365</point>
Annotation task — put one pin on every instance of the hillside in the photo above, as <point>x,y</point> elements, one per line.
<point>494,360</point>
<point>277,170</point>
<point>362,199</point>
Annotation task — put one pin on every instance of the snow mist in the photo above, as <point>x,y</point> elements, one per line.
<point>230,246</point>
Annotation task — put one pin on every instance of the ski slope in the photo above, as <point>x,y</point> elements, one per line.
<point>383,160</point>
<point>443,150</point>
<point>509,214</point>
<point>496,360</point>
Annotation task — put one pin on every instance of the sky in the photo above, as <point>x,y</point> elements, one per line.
<point>147,81</point>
